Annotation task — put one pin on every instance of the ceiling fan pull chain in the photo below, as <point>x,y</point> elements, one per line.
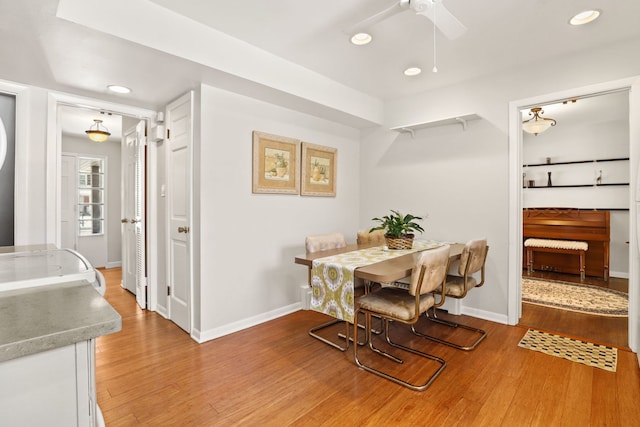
<point>435,68</point>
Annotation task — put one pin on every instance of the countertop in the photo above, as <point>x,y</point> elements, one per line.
<point>43,318</point>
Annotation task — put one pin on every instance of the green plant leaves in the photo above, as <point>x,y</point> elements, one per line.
<point>398,225</point>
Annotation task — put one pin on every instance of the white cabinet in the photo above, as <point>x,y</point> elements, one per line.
<point>51,388</point>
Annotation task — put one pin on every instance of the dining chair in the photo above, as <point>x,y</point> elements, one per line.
<point>405,306</point>
<point>366,237</point>
<point>472,260</point>
<point>324,242</point>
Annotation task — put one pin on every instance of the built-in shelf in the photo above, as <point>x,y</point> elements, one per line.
<point>574,162</point>
<point>580,185</point>
<point>455,120</point>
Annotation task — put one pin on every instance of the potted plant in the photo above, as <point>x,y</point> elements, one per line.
<point>399,229</point>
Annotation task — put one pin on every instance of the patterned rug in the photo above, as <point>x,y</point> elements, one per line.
<point>598,356</point>
<point>575,297</point>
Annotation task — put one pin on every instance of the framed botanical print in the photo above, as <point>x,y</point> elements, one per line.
<point>319,170</point>
<point>276,164</point>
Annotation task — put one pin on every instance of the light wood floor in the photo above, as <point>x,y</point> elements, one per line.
<point>275,374</point>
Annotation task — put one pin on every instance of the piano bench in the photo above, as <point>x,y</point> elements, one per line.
<point>556,246</point>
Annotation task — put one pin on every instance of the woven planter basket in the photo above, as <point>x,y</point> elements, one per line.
<point>405,242</point>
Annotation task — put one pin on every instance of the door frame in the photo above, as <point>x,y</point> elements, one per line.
<point>54,163</point>
<point>514,293</point>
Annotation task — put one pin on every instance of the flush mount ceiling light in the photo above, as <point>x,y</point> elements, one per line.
<point>118,89</point>
<point>360,39</point>
<point>412,71</point>
<point>537,124</point>
<point>584,17</point>
<point>97,131</point>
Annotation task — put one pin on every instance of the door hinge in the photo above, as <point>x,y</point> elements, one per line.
<point>168,133</point>
<point>168,291</point>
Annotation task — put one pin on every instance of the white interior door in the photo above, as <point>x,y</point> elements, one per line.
<point>179,141</point>
<point>68,204</point>
<point>133,214</point>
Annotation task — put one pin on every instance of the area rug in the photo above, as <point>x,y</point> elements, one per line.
<point>598,356</point>
<point>575,297</point>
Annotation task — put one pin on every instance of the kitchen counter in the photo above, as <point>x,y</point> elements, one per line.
<point>38,319</point>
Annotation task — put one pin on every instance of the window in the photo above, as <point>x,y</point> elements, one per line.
<point>90,196</point>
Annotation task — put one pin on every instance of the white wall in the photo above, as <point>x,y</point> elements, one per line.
<point>111,151</point>
<point>455,177</point>
<point>462,178</point>
<point>31,164</point>
<point>249,241</point>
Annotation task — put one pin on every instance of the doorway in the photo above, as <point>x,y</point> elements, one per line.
<point>579,165</point>
<point>106,195</point>
<point>517,202</point>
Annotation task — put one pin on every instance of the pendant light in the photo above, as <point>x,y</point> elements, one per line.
<point>537,124</point>
<point>97,131</point>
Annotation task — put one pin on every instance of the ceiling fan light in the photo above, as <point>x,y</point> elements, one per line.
<point>585,17</point>
<point>97,132</point>
<point>537,124</point>
<point>360,39</point>
<point>412,71</point>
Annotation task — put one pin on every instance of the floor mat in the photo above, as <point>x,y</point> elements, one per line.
<point>575,297</point>
<point>598,356</point>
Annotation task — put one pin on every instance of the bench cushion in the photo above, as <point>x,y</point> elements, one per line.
<point>557,244</point>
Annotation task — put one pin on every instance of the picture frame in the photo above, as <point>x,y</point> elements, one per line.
<point>319,170</point>
<point>276,164</point>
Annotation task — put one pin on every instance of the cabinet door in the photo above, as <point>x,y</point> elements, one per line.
<point>51,388</point>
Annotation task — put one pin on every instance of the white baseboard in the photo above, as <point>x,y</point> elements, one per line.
<point>486,315</point>
<point>621,275</point>
<point>203,336</point>
<point>114,264</point>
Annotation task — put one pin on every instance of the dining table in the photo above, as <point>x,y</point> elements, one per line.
<point>334,273</point>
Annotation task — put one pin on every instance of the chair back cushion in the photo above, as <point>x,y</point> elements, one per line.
<point>434,263</point>
<point>376,236</point>
<point>474,252</point>
<point>324,242</point>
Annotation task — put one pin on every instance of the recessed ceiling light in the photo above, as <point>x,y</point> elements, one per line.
<point>412,71</point>
<point>584,17</point>
<point>118,89</point>
<point>361,39</point>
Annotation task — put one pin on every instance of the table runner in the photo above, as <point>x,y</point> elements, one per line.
<point>332,278</point>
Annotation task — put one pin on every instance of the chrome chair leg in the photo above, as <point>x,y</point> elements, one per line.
<point>416,387</point>
<point>313,331</point>
<point>482,333</point>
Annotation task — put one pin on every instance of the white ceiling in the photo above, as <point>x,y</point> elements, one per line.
<point>40,49</point>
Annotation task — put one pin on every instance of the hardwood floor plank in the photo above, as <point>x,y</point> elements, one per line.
<point>275,374</point>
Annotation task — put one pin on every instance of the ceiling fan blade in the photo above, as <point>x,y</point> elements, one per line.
<point>374,19</point>
<point>444,20</point>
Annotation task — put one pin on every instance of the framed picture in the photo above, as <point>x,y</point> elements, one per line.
<point>319,170</point>
<point>276,164</point>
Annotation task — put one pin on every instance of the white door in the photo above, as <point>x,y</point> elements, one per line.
<point>68,201</point>
<point>179,140</point>
<point>133,214</point>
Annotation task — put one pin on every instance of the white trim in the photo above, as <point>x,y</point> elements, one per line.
<point>22,136</point>
<point>114,264</point>
<point>203,336</point>
<point>486,315</point>
<point>619,274</point>
<point>514,297</point>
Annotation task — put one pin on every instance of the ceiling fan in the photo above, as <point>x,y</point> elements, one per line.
<point>435,10</point>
